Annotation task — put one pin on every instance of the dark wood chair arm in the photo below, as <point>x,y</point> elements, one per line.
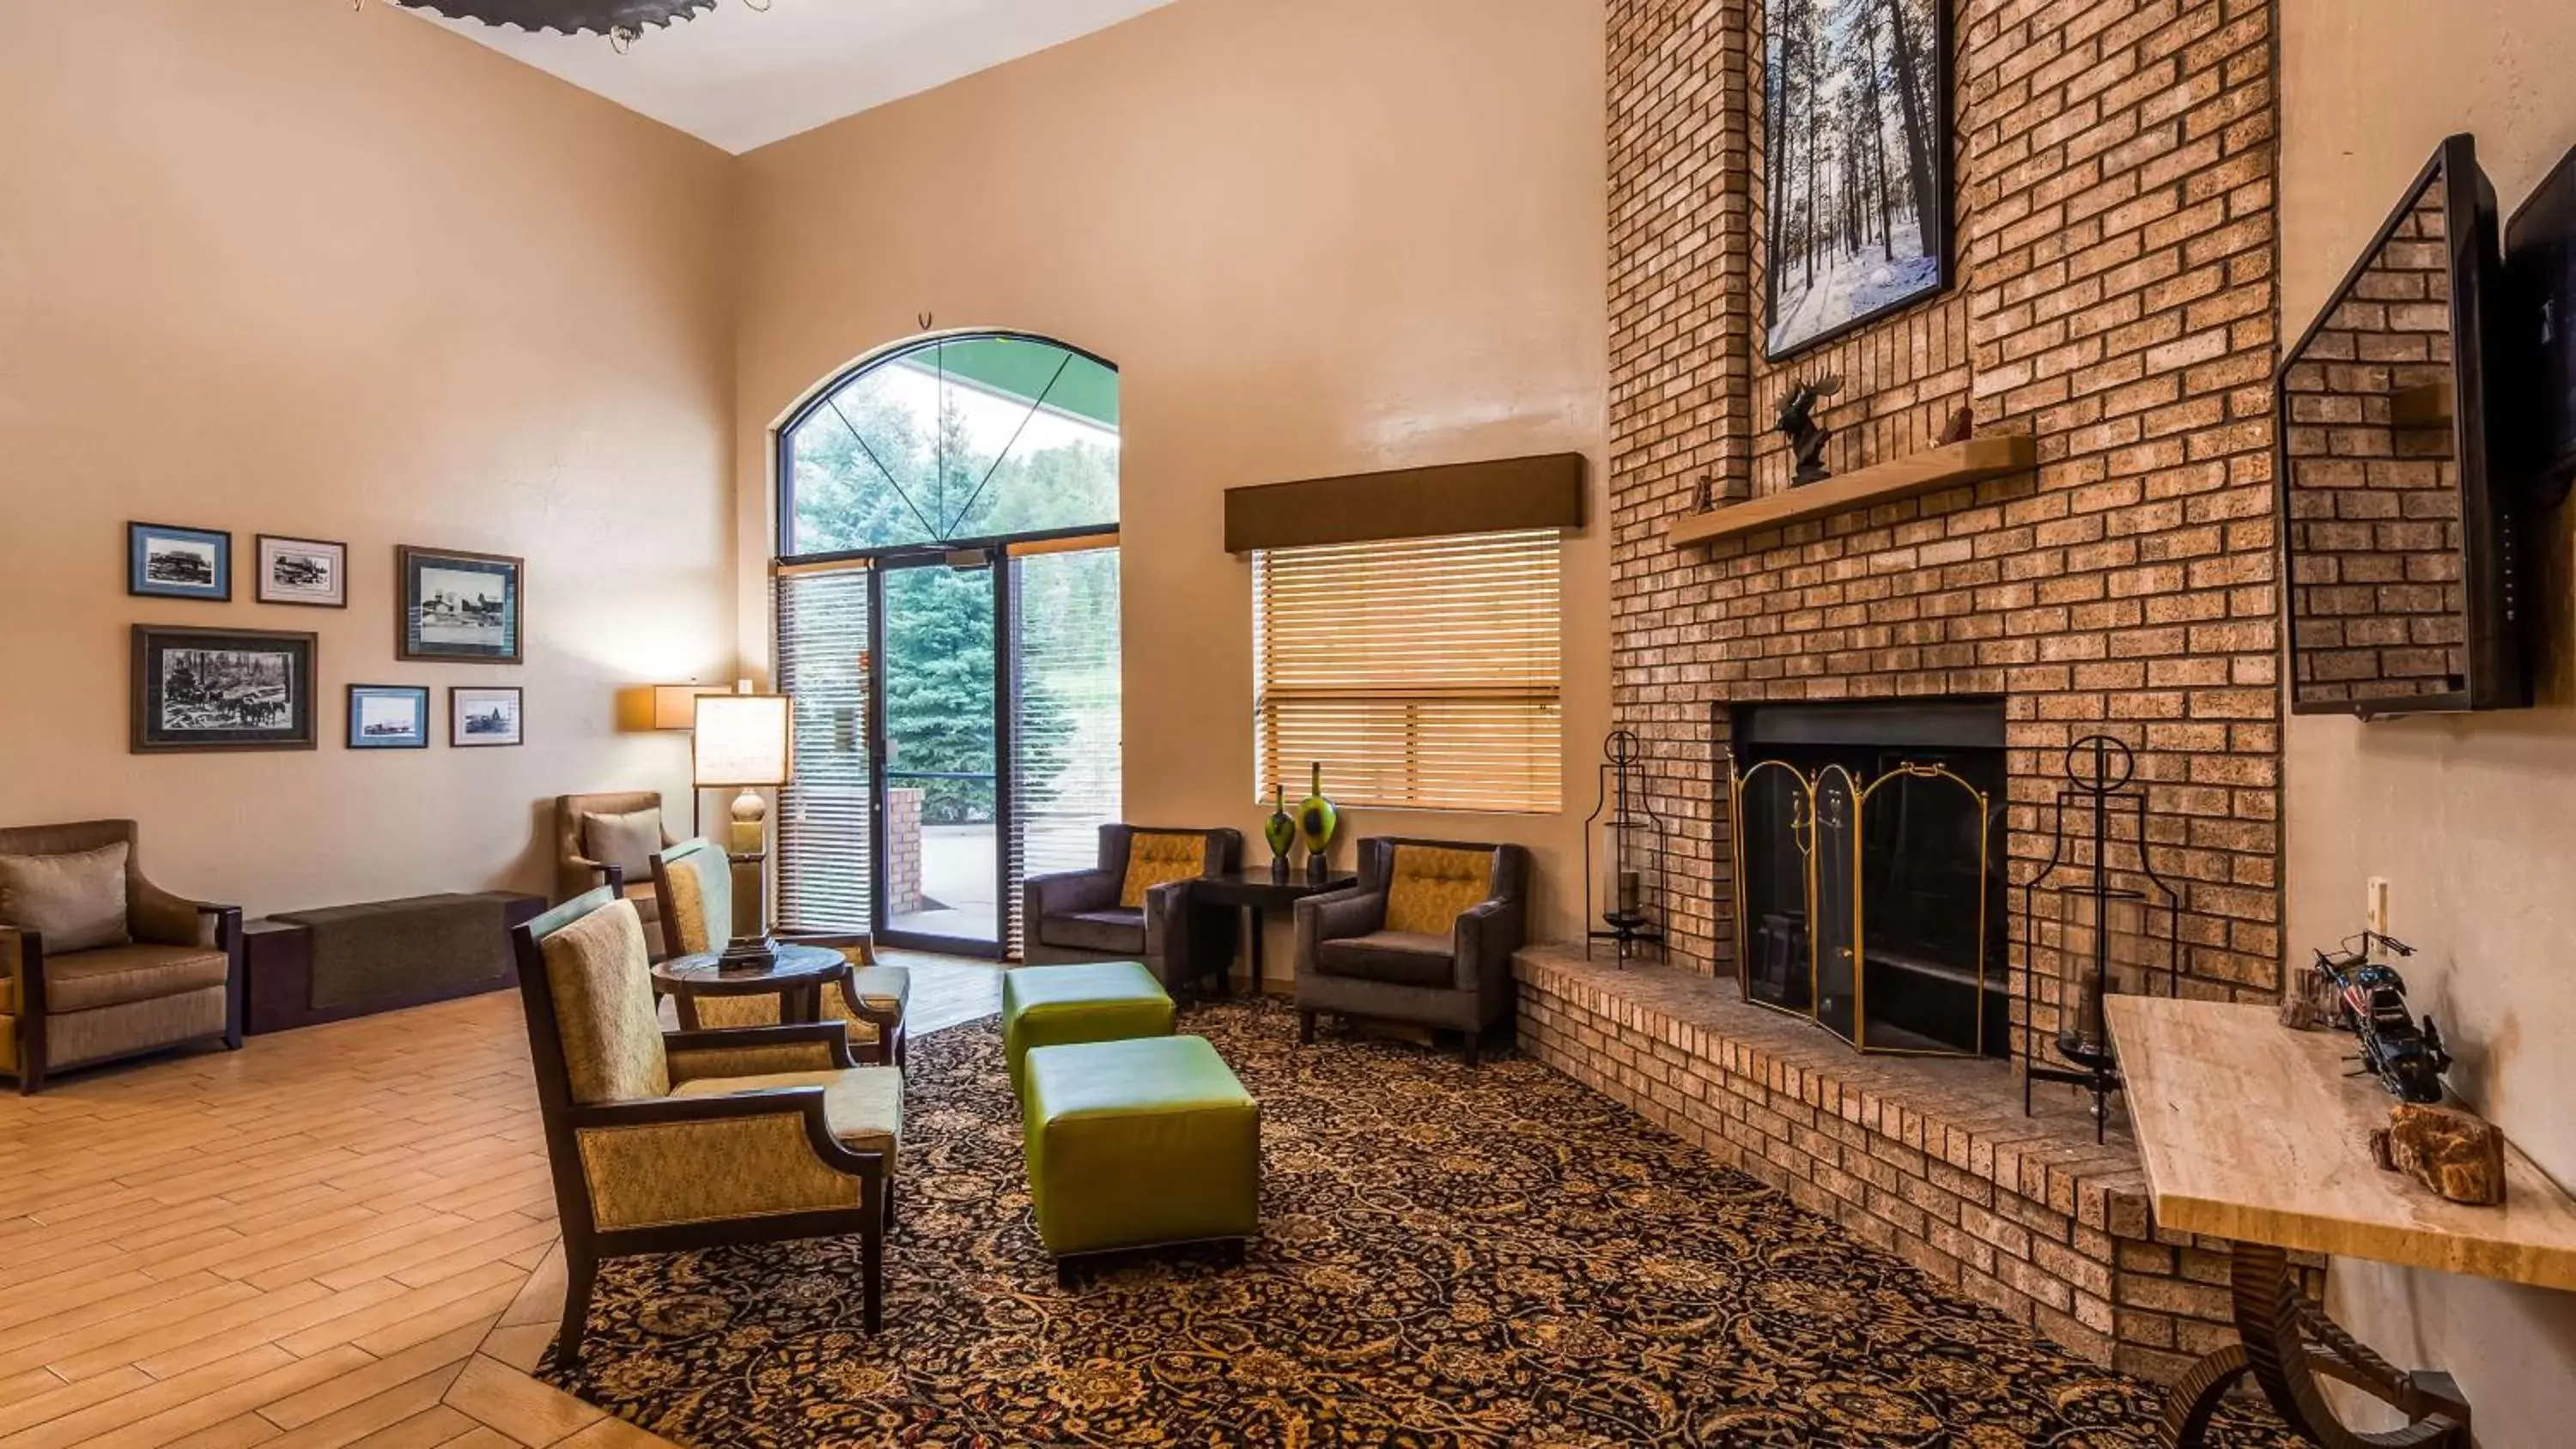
<point>805,1102</point>
<point>22,954</point>
<point>227,924</point>
<point>751,1038</point>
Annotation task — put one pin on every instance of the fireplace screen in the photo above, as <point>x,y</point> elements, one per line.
<point>1866,900</point>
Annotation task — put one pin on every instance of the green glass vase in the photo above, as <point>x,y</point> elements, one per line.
<point>1281,831</point>
<point>1317,821</point>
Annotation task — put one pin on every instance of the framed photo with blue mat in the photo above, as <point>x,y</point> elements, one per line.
<point>167,562</point>
<point>459,606</point>
<point>388,717</point>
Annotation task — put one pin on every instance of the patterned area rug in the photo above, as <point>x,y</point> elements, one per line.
<point>1450,1258</point>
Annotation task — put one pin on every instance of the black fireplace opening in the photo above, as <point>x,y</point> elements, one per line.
<point>1869,881</point>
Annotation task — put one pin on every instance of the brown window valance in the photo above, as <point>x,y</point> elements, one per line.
<point>1493,497</point>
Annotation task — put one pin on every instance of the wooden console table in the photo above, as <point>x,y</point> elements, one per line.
<point>2251,1132</point>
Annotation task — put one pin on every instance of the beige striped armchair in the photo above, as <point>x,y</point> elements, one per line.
<point>695,890</point>
<point>665,1143</point>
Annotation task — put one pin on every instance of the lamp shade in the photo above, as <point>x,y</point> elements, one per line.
<point>675,706</point>
<point>743,740</point>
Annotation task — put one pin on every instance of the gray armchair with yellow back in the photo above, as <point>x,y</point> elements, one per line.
<point>672,1143</point>
<point>610,839</point>
<point>694,886</point>
<point>1134,905</point>
<point>1426,937</point>
<point>98,963</point>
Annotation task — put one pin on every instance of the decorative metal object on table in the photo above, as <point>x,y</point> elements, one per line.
<point>2106,934</point>
<point>1623,855</point>
<point>1280,833</point>
<point>622,21</point>
<point>2369,1000</point>
<point>1797,423</point>
<point>1318,821</point>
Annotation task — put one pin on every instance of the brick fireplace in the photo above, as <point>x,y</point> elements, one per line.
<point>2114,301</point>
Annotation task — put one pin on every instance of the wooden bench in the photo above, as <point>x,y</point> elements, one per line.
<point>303,968</point>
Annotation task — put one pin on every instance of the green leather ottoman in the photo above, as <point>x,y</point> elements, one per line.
<point>1057,1005</point>
<point>1139,1143</point>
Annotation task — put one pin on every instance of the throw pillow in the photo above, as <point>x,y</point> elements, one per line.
<point>628,842</point>
<point>77,900</point>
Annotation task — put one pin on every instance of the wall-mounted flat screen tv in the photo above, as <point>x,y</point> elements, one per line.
<point>2540,275</point>
<point>2403,549</point>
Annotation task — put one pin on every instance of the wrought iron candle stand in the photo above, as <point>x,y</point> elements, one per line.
<point>1623,855</point>
<point>2094,950</point>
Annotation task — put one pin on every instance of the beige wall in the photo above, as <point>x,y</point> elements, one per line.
<point>291,268</point>
<point>1317,238</point>
<point>2469,819</point>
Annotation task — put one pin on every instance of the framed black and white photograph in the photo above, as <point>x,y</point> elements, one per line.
<point>388,717</point>
<point>166,562</point>
<point>459,606</point>
<point>303,571</point>
<point>483,716</point>
<point>221,689</point>
<point>1856,151</point>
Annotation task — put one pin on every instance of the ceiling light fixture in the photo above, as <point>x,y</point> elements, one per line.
<point>622,21</point>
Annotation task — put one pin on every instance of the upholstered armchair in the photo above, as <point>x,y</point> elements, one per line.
<point>672,1143</point>
<point>605,839</point>
<point>1426,937</point>
<point>1134,905</point>
<point>98,963</point>
<point>695,888</point>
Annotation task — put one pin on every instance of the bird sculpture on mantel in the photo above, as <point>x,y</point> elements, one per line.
<point>1806,436</point>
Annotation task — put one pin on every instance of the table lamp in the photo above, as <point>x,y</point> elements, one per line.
<point>745,741</point>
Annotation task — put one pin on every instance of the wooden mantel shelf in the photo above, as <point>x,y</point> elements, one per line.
<point>1949,466</point>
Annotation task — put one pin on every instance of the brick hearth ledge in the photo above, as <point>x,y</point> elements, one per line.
<point>1931,1160</point>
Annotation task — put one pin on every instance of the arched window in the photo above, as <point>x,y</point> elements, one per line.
<point>962,437</point>
<point>947,623</point>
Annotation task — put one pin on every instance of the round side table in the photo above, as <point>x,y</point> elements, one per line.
<point>795,976</point>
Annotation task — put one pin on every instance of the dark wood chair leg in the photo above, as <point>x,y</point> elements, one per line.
<point>872,1265</point>
<point>1305,1028</point>
<point>889,1203</point>
<point>31,1054</point>
<point>581,1275</point>
<point>1475,1047</point>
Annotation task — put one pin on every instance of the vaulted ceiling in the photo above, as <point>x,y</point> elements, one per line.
<point>742,78</point>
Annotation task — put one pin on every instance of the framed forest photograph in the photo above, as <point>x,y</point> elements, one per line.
<point>1856,153</point>
<point>221,689</point>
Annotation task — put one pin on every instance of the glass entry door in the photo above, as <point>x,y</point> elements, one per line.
<point>940,745</point>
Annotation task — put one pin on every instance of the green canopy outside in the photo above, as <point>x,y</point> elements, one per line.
<point>1020,368</point>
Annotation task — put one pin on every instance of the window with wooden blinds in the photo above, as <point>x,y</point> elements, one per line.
<point>1422,673</point>
<point>826,833</point>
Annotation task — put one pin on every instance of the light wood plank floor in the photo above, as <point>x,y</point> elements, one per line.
<point>337,1236</point>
